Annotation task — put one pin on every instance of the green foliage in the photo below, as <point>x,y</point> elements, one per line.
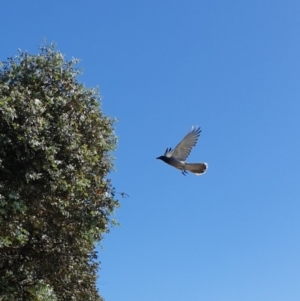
<point>55,199</point>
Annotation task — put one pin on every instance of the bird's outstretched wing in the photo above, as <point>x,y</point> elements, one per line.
<point>183,149</point>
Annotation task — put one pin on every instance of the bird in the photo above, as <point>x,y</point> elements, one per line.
<point>177,157</point>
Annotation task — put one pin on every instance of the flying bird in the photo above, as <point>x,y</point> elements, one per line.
<point>176,157</point>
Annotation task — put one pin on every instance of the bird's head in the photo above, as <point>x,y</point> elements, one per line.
<point>163,158</point>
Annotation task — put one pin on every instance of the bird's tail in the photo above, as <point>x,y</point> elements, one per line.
<point>196,168</point>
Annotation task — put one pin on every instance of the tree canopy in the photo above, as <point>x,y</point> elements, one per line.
<point>55,198</point>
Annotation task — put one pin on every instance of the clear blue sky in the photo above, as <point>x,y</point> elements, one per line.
<point>231,67</point>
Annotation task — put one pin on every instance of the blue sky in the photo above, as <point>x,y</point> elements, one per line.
<point>231,67</point>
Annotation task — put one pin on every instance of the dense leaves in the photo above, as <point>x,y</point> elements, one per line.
<point>55,199</point>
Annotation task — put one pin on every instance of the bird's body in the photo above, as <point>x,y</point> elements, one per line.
<point>177,157</point>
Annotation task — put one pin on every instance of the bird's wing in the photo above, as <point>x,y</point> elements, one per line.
<point>183,149</point>
<point>168,153</point>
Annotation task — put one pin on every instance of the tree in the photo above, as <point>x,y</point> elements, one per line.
<point>55,199</point>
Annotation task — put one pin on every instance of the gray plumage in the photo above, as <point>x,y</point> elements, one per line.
<point>177,157</point>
